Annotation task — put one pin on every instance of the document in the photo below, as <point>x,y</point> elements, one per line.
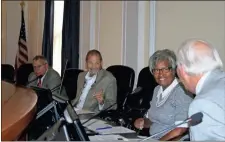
<point>82,111</point>
<point>114,130</point>
<point>95,124</point>
<point>107,138</point>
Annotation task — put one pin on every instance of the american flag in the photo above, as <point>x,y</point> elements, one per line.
<point>22,53</point>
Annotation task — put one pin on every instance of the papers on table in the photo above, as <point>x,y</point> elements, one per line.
<point>104,128</point>
<point>82,111</point>
<point>115,130</point>
<point>95,123</point>
<point>107,138</point>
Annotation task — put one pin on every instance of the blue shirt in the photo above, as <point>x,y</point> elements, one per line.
<point>210,100</point>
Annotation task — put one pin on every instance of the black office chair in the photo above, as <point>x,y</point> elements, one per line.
<point>70,81</point>
<point>7,72</point>
<point>23,73</point>
<point>147,82</point>
<point>125,81</point>
<point>138,104</point>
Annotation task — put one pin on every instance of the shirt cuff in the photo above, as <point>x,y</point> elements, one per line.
<point>100,106</point>
<point>185,125</point>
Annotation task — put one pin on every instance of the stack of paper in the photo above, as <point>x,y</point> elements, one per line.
<point>82,111</point>
<point>95,123</point>
<point>115,130</point>
<point>107,138</point>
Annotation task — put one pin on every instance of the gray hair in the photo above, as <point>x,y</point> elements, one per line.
<point>197,61</point>
<point>40,57</point>
<point>162,55</point>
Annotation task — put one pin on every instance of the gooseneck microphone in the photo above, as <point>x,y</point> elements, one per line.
<point>99,113</point>
<point>136,90</point>
<point>192,121</point>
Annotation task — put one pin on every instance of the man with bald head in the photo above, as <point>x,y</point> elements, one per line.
<point>201,71</point>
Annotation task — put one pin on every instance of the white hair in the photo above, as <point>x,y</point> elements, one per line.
<point>196,61</point>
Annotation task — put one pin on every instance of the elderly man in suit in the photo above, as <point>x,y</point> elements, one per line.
<point>200,70</point>
<point>96,87</point>
<point>45,77</point>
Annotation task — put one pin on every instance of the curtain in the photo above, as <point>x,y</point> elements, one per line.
<point>70,34</point>
<point>47,44</point>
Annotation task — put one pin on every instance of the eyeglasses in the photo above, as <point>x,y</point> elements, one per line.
<point>162,70</point>
<point>38,67</point>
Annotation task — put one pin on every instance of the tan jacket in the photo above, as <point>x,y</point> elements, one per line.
<point>105,81</point>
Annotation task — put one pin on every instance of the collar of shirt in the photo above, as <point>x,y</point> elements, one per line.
<point>167,91</point>
<point>88,77</point>
<point>42,78</point>
<point>201,82</point>
<point>89,81</point>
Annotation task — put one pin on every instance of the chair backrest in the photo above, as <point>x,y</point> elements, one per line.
<point>70,81</point>
<point>23,73</point>
<point>147,82</point>
<point>7,72</point>
<point>125,81</point>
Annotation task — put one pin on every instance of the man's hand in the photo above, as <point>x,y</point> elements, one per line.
<point>139,123</point>
<point>99,97</point>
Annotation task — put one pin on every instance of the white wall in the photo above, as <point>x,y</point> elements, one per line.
<point>179,20</point>
<point>118,29</point>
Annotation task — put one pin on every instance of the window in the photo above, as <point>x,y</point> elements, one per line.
<point>57,39</point>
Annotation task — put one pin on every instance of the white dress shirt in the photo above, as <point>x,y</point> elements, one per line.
<point>89,81</point>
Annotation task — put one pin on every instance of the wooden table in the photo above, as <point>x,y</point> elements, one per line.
<point>18,109</point>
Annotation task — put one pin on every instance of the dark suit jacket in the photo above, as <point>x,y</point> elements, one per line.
<point>50,81</point>
<point>104,80</point>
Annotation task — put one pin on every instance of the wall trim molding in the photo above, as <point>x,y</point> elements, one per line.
<point>152,23</point>
<point>93,9</point>
<point>124,35</point>
<point>99,23</point>
<point>141,36</point>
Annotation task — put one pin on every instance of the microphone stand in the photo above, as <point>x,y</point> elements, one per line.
<point>124,102</point>
<point>165,130</point>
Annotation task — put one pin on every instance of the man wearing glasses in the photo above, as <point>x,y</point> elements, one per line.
<point>45,77</point>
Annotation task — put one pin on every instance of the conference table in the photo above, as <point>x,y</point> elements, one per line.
<point>18,109</point>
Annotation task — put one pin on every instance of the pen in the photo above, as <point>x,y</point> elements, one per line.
<point>108,127</point>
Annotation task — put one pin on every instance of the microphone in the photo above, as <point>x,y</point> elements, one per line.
<point>63,76</point>
<point>195,119</point>
<point>58,97</point>
<point>136,90</point>
<point>192,121</point>
<point>99,113</point>
<point>38,77</point>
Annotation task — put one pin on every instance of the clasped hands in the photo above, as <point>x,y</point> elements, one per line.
<point>99,97</point>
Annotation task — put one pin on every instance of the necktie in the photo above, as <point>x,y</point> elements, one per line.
<point>39,83</point>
